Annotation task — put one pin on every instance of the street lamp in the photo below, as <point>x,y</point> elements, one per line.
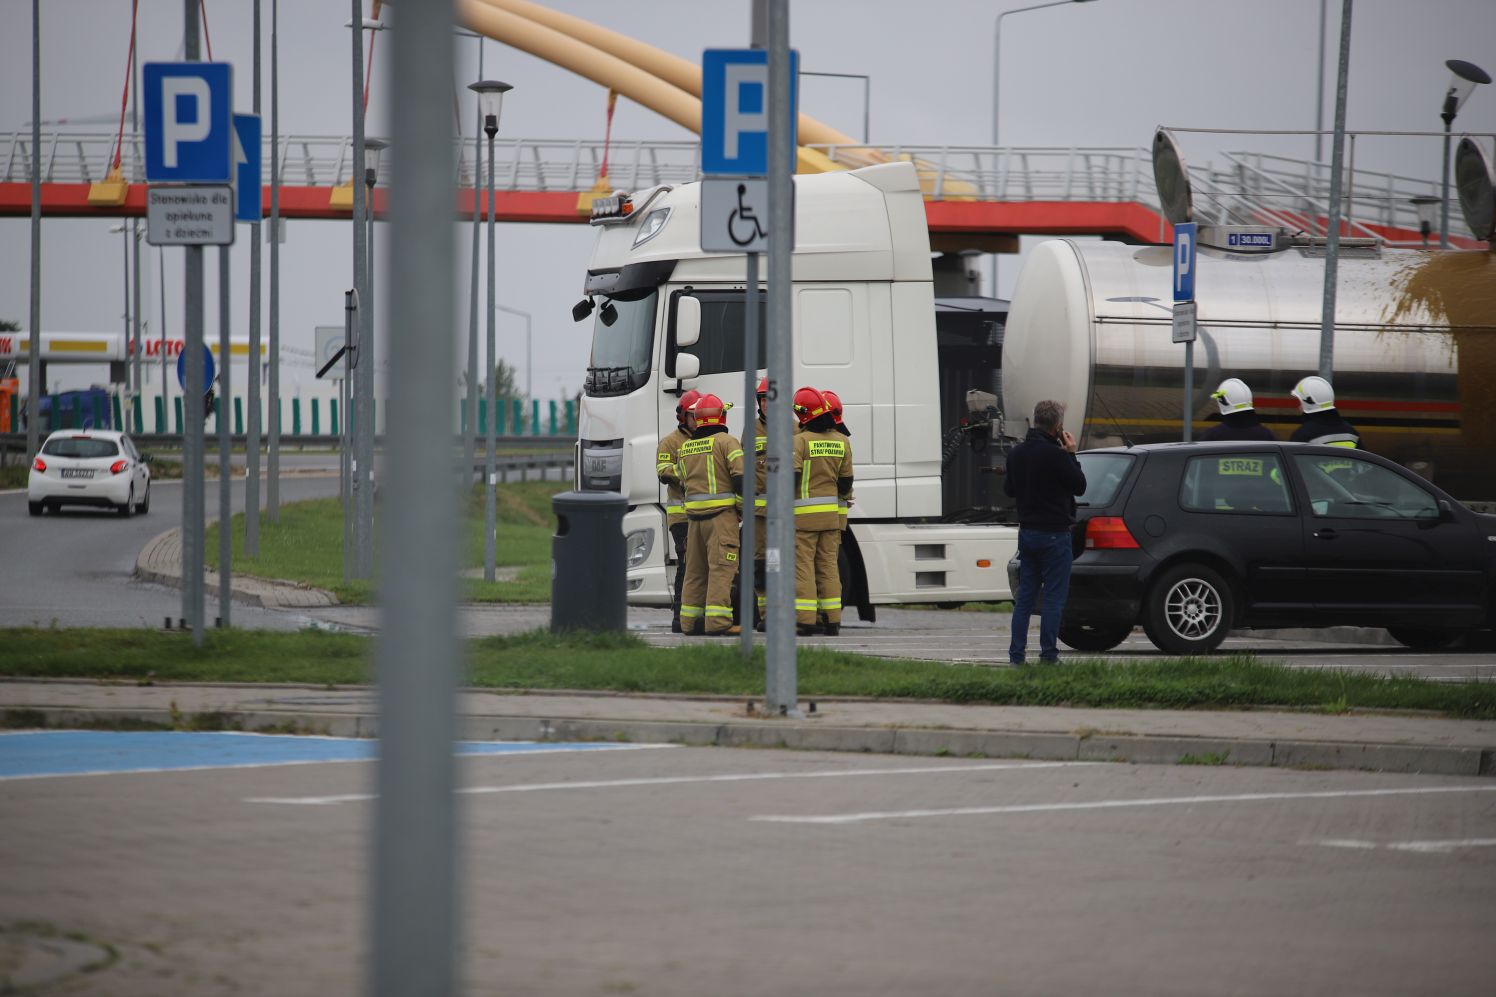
<point>373,150</point>
<point>997,49</point>
<point>866,93</point>
<point>997,52</point>
<point>132,316</point>
<point>1427,207</point>
<point>1466,76</point>
<point>529,369</point>
<point>490,105</point>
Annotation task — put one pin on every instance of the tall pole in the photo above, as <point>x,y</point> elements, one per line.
<point>34,363</point>
<point>139,425</point>
<point>272,488</point>
<point>362,402</point>
<point>165,398</point>
<point>1319,89</point>
<point>415,936</point>
<point>997,52</point>
<point>192,403</point>
<point>124,231</point>
<point>252,389</point>
<point>779,550</point>
<point>470,437</point>
<point>746,565</point>
<point>1332,242</point>
<point>1444,179</point>
<point>139,417</point>
<point>225,445</point>
<point>490,541</point>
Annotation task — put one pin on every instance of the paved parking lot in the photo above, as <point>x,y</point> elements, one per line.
<point>699,870</point>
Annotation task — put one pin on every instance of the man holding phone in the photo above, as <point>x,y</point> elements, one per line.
<point>1043,477</point>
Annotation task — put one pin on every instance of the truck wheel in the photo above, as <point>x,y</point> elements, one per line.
<point>1085,637</point>
<point>1424,638</point>
<point>1188,610</point>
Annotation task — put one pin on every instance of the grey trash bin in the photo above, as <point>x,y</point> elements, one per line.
<point>588,573</point>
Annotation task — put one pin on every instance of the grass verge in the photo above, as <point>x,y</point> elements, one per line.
<point>624,663</point>
<point>307,546</point>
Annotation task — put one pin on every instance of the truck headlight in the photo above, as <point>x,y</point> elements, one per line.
<point>638,544</point>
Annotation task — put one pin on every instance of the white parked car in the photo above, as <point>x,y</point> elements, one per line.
<point>89,467</point>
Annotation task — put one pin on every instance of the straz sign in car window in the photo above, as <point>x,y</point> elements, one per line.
<point>1250,483</point>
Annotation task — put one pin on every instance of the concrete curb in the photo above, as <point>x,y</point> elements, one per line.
<point>160,561</point>
<point>812,736</point>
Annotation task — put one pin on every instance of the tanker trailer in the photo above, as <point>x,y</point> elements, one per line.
<point>1414,359</point>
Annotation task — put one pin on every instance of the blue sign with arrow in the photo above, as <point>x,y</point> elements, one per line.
<point>249,199</point>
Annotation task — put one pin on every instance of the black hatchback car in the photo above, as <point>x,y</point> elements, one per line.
<point>1192,540</point>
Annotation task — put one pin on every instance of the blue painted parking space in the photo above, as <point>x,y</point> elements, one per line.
<point>37,754</point>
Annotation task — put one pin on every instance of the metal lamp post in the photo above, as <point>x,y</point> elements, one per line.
<point>490,105</point>
<point>132,321</point>
<point>1427,207</point>
<point>1464,79</point>
<point>997,52</point>
<point>867,87</point>
<point>529,365</point>
<point>373,149</point>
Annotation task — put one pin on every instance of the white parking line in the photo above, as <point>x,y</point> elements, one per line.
<point>1444,847</point>
<point>1164,801</point>
<point>681,780</point>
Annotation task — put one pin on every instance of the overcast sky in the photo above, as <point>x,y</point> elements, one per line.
<point>1092,74</point>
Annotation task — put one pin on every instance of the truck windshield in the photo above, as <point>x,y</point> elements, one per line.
<point>622,352</point>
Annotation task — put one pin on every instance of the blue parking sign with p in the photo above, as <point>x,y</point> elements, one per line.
<point>1184,261</point>
<point>188,121</point>
<point>735,111</point>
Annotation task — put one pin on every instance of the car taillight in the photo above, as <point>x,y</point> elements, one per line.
<point>1109,533</point>
<point>120,465</point>
<point>40,465</point>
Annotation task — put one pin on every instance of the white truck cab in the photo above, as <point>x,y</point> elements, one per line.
<point>927,525</point>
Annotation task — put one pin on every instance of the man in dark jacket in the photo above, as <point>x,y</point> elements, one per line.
<point>1043,477</point>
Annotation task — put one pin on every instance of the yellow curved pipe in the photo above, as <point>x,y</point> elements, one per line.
<point>604,69</point>
<point>671,68</point>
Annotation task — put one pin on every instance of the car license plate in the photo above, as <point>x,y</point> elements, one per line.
<point>77,472</point>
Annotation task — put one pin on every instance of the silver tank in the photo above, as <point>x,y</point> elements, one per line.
<point>1414,360</point>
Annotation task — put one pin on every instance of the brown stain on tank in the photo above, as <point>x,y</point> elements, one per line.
<point>1459,289</point>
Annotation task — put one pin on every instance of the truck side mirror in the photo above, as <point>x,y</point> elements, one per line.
<point>687,365</point>
<point>687,321</point>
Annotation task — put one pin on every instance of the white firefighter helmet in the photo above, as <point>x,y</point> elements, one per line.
<point>1233,395</point>
<point>1314,394</point>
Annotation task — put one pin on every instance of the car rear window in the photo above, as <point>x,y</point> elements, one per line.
<point>1105,473</point>
<point>1242,483</point>
<point>81,447</point>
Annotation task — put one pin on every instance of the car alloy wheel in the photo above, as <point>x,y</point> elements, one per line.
<point>1189,610</point>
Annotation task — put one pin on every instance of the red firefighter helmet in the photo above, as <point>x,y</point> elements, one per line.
<point>810,404</point>
<point>763,387</point>
<point>834,401</point>
<point>684,405</point>
<point>710,410</point>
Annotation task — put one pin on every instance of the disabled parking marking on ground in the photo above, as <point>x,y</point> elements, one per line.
<point>1159,801</point>
<point>53,753</point>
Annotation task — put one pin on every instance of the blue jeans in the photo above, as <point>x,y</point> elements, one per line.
<point>1043,573</point>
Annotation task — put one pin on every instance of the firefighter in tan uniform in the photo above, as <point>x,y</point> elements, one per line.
<point>844,502</point>
<point>711,469</point>
<point>666,456</point>
<point>823,476</point>
<point>760,501</point>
